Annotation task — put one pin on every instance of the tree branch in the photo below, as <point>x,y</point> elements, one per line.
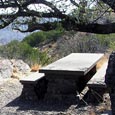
<point>111,3</point>
<point>67,21</point>
<point>6,23</point>
<point>91,28</point>
<point>74,3</point>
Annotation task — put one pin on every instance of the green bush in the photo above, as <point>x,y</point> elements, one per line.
<point>107,40</point>
<point>36,38</point>
<point>21,50</point>
<point>104,40</point>
<point>112,45</point>
<point>84,43</point>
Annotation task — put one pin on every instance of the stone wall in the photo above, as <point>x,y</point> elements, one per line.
<point>34,90</point>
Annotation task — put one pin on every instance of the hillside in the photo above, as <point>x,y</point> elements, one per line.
<point>80,42</point>
<point>44,47</point>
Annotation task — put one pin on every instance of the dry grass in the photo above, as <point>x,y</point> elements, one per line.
<point>101,62</point>
<point>35,67</point>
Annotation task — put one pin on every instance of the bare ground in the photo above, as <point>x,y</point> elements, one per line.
<point>11,104</point>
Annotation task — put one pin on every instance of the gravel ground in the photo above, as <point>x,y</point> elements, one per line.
<point>11,104</point>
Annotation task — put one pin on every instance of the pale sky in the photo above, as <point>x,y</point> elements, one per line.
<point>63,5</point>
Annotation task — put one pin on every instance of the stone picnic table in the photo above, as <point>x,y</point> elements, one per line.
<point>70,74</point>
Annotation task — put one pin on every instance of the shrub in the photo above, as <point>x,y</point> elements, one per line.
<point>85,43</point>
<point>21,50</point>
<point>36,38</point>
<point>112,45</point>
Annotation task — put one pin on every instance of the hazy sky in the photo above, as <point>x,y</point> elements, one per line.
<point>62,5</point>
<point>7,34</point>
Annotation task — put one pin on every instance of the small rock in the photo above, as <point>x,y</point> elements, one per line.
<point>20,66</point>
<point>6,68</point>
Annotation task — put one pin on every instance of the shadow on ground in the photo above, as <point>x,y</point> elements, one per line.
<point>42,105</point>
<point>49,105</point>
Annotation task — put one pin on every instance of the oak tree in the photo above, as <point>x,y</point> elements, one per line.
<point>80,15</point>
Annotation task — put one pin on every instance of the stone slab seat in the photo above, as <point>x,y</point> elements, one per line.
<point>34,86</point>
<point>98,80</point>
<point>96,86</point>
<point>32,78</point>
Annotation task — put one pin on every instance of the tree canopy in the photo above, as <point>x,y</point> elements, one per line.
<point>79,15</point>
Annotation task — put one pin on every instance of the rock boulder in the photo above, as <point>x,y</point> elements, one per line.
<point>13,68</point>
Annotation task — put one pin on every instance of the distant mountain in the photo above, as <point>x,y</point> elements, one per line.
<point>7,35</point>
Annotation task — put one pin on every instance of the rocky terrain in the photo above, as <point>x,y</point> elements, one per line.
<point>12,104</point>
<point>13,68</point>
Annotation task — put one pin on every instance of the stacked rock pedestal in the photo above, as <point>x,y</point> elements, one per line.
<point>61,90</point>
<point>65,87</point>
<point>34,90</point>
<point>28,92</point>
<point>110,80</point>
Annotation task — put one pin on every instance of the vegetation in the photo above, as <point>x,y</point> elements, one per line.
<point>21,50</point>
<point>37,38</point>
<point>27,50</point>
<point>69,42</point>
<point>79,15</point>
<point>83,42</point>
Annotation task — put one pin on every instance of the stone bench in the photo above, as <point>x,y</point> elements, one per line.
<point>98,80</point>
<point>32,78</point>
<point>34,86</point>
<point>97,86</point>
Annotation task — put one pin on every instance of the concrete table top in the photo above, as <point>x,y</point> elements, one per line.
<point>73,64</point>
